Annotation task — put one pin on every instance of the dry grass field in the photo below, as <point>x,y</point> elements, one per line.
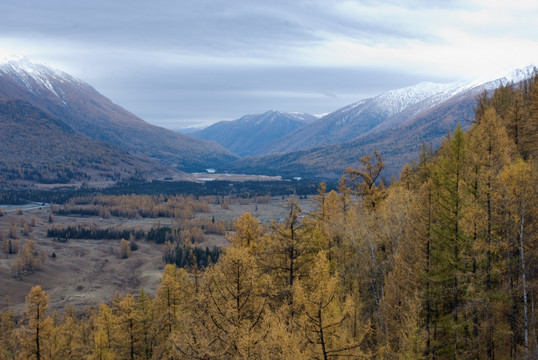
<point>84,272</point>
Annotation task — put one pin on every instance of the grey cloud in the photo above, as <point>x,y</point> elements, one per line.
<point>219,94</point>
<point>218,27</point>
<point>215,26</point>
<point>197,60</point>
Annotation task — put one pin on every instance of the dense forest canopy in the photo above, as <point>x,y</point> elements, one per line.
<point>441,264</point>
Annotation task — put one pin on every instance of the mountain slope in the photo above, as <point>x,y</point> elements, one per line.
<point>398,139</point>
<point>387,111</point>
<point>88,112</point>
<point>252,134</point>
<point>396,145</point>
<point>352,121</point>
<point>35,147</point>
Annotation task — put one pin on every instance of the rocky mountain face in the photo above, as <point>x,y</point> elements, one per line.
<point>254,134</point>
<point>89,113</point>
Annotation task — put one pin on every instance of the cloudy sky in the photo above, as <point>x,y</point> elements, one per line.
<point>178,63</point>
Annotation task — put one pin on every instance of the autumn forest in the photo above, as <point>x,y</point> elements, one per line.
<point>441,263</point>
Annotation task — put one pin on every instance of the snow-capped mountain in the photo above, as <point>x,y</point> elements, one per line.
<point>389,110</point>
<point>89,113</point>
<point>362,116</point>
<point>252,134</point>
<point>395,123</point>
<point>37,77</point>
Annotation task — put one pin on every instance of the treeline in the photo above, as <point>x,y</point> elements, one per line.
<point>28,258</point>
<point>185,228</point>
<point>93,232</point>
<point>244,189</point>
<point>191,232</point>
<point>134,206</point>
<point>440,265</point>
<point>186,256</point>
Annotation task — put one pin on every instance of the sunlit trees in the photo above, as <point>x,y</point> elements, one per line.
<point>519,196</point>
<point>7,335</point>
<point>325,314</point>
<point>226,320</point>
<point>28,260</point>
<point>105,329</point>
<point>440,265</point>
<point>33,336</point>
<point>173,296</point>
<point>287,251</point>
<point>365,179</point>
<point>127,330</point>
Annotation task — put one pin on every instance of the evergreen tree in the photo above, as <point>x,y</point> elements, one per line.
<point>105,329</point>
<point>450,246</point>
<point>34,335</point>
<point>325,314</point>
<point>7,335</point>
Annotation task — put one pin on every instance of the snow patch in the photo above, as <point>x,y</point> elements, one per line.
<point>35,75</point>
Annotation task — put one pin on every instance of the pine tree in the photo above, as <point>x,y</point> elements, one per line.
<point>247,231</point>
<point>528,141</point>
<point>33,337</point>
<point>286,251</point>
<point>406,290</point>
<point>365,179</point>
<point>70,341</point>
<point>7,335</point>
<point>145,314</point>
<point>515,118</point>
<point>127,331</point>
<point>125,249</point>
<point>449,245</point>
<point>519,194</point>
<point>105,329</point>
<point>490,150</point>
<point>227,322</point>
<point>173,295</point>
<point>325,314</point>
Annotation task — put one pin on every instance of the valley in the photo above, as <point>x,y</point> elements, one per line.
<point>83,272</point>
<point>267,180</point>
<point>113,223</point>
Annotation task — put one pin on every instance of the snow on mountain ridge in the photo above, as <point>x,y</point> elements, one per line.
<point>504,77</point>
<point>269,117</point>
<point>430,94</point>
<point>32,74</point>
<point>394,101</point>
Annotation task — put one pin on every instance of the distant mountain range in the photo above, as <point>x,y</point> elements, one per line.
<point>53,119</point>
<point>395,123</point>
<point>254,134</point>
<point>89,113</point>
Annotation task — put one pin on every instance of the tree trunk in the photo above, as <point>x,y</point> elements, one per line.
<point>523,283</point>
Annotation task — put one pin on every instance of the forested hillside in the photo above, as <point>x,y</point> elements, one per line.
<point>38,148</point>
<point>92,115</point>
<point>441,264</point>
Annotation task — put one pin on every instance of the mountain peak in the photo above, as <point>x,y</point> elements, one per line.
<point>90,113</point>
<point>22,63</point>
<point>5,58</point>
<point>250,134</point>
<point>36,76</point>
